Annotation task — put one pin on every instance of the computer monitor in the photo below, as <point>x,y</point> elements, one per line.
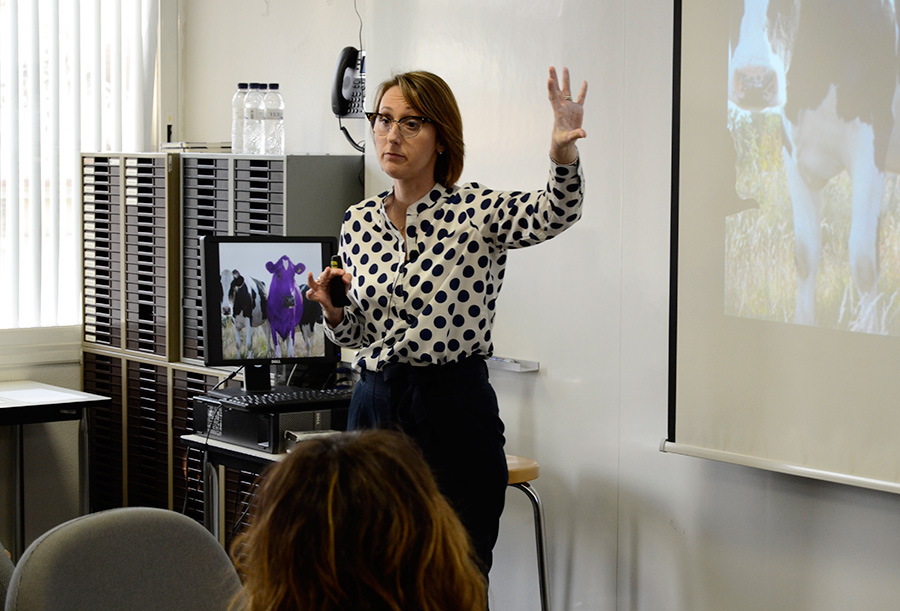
<point>255,310</point>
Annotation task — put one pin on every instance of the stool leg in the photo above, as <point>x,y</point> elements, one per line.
<point>539,541</point>
<point>210,496</point>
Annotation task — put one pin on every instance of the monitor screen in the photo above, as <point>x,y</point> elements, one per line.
<point>256,312</point>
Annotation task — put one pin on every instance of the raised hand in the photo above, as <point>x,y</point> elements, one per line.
<point>568,114</point>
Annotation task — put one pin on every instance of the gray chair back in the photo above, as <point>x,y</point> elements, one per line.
<point>135,558</point>
<point>6,571</point>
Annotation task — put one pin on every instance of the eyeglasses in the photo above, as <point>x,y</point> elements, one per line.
<point>409,126</point>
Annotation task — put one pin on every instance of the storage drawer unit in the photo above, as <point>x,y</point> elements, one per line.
<point>247,195</point>
<point>152,253</point>
<point>102,284</point>
<point>205,198</point>
<point>132,252</point>
<point>136,456</point>
<point>149,463</point>
<point>102,374</point>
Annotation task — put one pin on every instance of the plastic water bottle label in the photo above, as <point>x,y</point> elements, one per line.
<point>274,114</point>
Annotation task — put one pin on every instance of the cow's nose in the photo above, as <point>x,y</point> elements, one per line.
<point>756,87</point>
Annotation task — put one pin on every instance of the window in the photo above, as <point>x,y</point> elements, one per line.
<point>74,76</point>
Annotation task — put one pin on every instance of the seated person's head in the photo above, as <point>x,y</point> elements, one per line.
<point>356,521</point>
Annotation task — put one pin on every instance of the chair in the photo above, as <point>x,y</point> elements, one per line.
<point>521,472</point>
<point>135,558</point>
<point>6,571</point>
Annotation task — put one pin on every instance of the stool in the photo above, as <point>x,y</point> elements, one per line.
<point>521,471</point>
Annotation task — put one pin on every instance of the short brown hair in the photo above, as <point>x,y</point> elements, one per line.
<point>431,95</point>
<point>356,521</point>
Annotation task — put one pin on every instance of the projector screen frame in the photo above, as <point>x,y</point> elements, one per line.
<point>820,434</point>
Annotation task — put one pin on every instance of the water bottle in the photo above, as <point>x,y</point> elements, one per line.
<point>237,118</point>
<point>253,121</point>
<point>274,120</point>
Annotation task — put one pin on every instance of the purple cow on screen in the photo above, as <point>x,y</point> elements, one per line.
<point>285,302</point>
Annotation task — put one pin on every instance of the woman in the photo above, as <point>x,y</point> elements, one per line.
<point>422,267</point>
<point>355,521</point>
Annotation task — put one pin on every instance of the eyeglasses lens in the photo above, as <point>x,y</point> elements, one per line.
<point>409,126</point>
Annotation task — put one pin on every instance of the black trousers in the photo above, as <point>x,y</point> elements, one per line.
<point>451,411</point>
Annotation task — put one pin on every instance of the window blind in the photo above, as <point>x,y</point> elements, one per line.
<point>75,75</point>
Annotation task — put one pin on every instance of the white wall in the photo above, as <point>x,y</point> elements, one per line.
<point>295,44</point>
<point>629,527</point>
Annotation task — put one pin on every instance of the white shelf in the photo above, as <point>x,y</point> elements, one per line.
<point>516,365</point>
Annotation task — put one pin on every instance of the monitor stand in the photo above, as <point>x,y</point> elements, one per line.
<point>257,378</point>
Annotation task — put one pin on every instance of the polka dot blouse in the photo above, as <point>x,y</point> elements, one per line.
<point>437,306</point>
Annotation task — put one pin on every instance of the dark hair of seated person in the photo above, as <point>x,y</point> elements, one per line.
<point>355,521</point>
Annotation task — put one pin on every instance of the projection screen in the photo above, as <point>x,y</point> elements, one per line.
<point>785,314</point>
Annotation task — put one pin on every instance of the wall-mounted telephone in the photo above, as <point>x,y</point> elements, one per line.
<point>348,96</point>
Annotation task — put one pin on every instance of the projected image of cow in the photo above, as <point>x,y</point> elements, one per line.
<point>265,312</point>
<point>811,91</point>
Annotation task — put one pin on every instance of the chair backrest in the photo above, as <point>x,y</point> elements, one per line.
<point>6,571</point>
<point>135,558</point>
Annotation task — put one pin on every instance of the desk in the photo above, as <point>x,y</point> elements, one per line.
<point>26,402</point>
<point>217,452</point>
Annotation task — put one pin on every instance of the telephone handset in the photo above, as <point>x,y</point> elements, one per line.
<point>348,96</point>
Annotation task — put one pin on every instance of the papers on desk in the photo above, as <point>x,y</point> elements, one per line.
<point>28,396</point>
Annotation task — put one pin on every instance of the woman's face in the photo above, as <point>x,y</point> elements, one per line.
<point>406,159</point>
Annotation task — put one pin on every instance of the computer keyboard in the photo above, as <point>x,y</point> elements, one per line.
<point>295,399</point>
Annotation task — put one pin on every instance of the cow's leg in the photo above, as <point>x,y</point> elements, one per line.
<point>249,341</point>
<point>237,336</point>
<point>277,344</point>
<point>807,240</point>
<point>868,188</point>
<point>307,336</point>
<point>267,331</point>
<point>290,344</point>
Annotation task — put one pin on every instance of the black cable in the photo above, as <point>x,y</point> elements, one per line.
<point>205,450</point>
<point>353,143</point>
<point>359,146</point>
<point>218,410</point>
<point>230,377</point>
<point>240,520</point>
<point>360,22</point>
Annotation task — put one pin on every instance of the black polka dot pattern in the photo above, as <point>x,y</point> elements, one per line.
<point>438,306</point>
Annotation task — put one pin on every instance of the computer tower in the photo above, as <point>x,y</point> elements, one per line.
<point>261,431</point>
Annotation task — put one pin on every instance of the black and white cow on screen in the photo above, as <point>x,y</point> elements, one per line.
<point>830,67</point>
<point>312,315</point>
<point>245,304</point>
